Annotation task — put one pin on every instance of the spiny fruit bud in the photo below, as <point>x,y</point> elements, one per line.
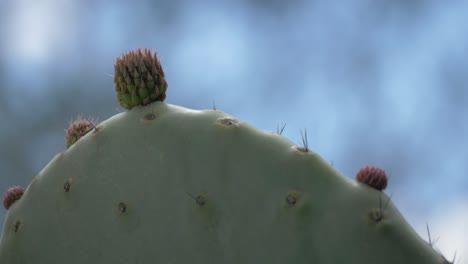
<point>11,195</point>
<point>78,129</point>
<point>139,79</point>
<point>373,176</point>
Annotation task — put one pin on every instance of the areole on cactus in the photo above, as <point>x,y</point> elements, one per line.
<point>162,183</point>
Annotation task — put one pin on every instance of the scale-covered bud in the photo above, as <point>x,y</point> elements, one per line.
<point>139,79</point>
<point>372,176</point>
<point>78,128</point>
<point>11,195</point>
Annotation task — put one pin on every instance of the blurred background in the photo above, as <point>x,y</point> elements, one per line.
<point>374,82</point>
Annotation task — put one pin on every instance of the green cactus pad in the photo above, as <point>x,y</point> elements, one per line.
<point>139,79</point>
<point>167,184</point>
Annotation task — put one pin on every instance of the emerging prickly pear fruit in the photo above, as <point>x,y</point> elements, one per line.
<point>373,176</point>
<point>139,79</point>
<point>11,195</point>
<point>78,128</point>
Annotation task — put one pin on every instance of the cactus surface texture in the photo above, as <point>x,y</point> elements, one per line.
<point>165,184</point>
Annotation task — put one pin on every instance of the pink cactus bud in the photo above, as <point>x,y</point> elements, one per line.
<point>78,128</point>
<point>11,195</point>
<point>373,176</point>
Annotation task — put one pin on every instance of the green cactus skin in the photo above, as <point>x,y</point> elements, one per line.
<point>166,184</point>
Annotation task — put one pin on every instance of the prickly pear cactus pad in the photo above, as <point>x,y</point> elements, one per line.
<point>163,184</point>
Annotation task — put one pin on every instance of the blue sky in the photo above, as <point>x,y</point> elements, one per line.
<point>373,83</point>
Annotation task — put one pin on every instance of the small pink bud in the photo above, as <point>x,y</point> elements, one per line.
<point>373,176</point>
<point>11,195</point>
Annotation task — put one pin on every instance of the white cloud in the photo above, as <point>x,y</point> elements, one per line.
<point>36,28</point>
